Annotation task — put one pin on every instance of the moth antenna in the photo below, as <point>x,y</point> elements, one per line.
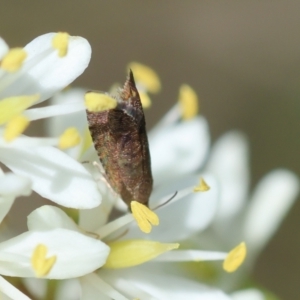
<point>166,202</point>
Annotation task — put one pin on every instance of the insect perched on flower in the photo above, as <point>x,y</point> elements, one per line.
<point>119,133</point>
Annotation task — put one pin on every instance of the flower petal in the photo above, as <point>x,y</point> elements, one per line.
<point>12,186</point>
<point>76,254</point>
<point>66,99</point>
<point>94,288</point>
<point>44,72</point>
<point>155,282</point>
<point>54,174</point>
<point>229,163</point>
<point>249,294</point>
<point>272,199</point>
<point>49,217</point>
<point>7,289</point>
<point>3,48</point>
<point>179,149</point>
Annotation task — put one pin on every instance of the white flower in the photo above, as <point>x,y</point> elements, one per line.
<point>54,253</point>
<point>29,76</point>
<point>187,214</point>
<point>253,218</point>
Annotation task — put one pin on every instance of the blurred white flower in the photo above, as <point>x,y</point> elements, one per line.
<point>253,218</point>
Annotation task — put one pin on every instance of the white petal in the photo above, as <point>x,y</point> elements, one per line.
<point>3,48</point>
<point>9,290</point>
<point>55,175</point>
<point>183,218</point>
<point>94,218</point>
<point>68,289</point>
<point>49,217</point>
<point>6,203</point>
<point>179,149</point>
<point>229,163</point>
<point>44,72</point>
<point>272,199</point>
<point>94,288</point>
<point>163,286</point>
<point>169,119</point>
<point>36,286</point>
<point>250,294</point>
<point>56,125</point>
<point>12,186</point>
<point>26,142</point>
<point>76,253</point>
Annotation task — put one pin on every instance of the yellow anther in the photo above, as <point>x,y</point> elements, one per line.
<point>96,102</point>
<point>15,127</point>
<point>14,106</point>
<point>145,99</point>
<point>235,258</point>
<point>124,254</point>
<point>40,264</point>
<point>202,187</point>
<point>145,76</point>
<point>69,138</point>
<point>188,101</point>
<point>144,217</point>
<point>13,59</point>
<point>60,42</point>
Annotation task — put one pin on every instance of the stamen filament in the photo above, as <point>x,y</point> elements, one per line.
<point>191,255</point>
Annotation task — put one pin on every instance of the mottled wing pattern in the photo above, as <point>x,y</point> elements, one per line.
<point>120,139</point>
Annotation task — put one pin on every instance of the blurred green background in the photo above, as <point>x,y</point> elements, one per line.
<point>242,58</point>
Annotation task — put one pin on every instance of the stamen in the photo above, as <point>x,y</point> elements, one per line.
<point>69,138</point>
<point>96,102</point>
<point>188,101</point>
<point>144,217</point>
<point>145,99</point>
<point>13,106</point>
<point>145,76</point>
<point>60,42</point>
<point>40,264</point>
<point>235,258</point>
<point>202,187</point>
<point>13,59</point>
<point>15,127</point>
<point>124,254</point>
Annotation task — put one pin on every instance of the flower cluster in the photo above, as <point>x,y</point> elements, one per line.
<point>99,250</point>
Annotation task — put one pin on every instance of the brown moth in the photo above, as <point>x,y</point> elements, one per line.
<point>120,139</point>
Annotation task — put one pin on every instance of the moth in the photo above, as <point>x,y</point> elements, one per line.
<point>121,141</point>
